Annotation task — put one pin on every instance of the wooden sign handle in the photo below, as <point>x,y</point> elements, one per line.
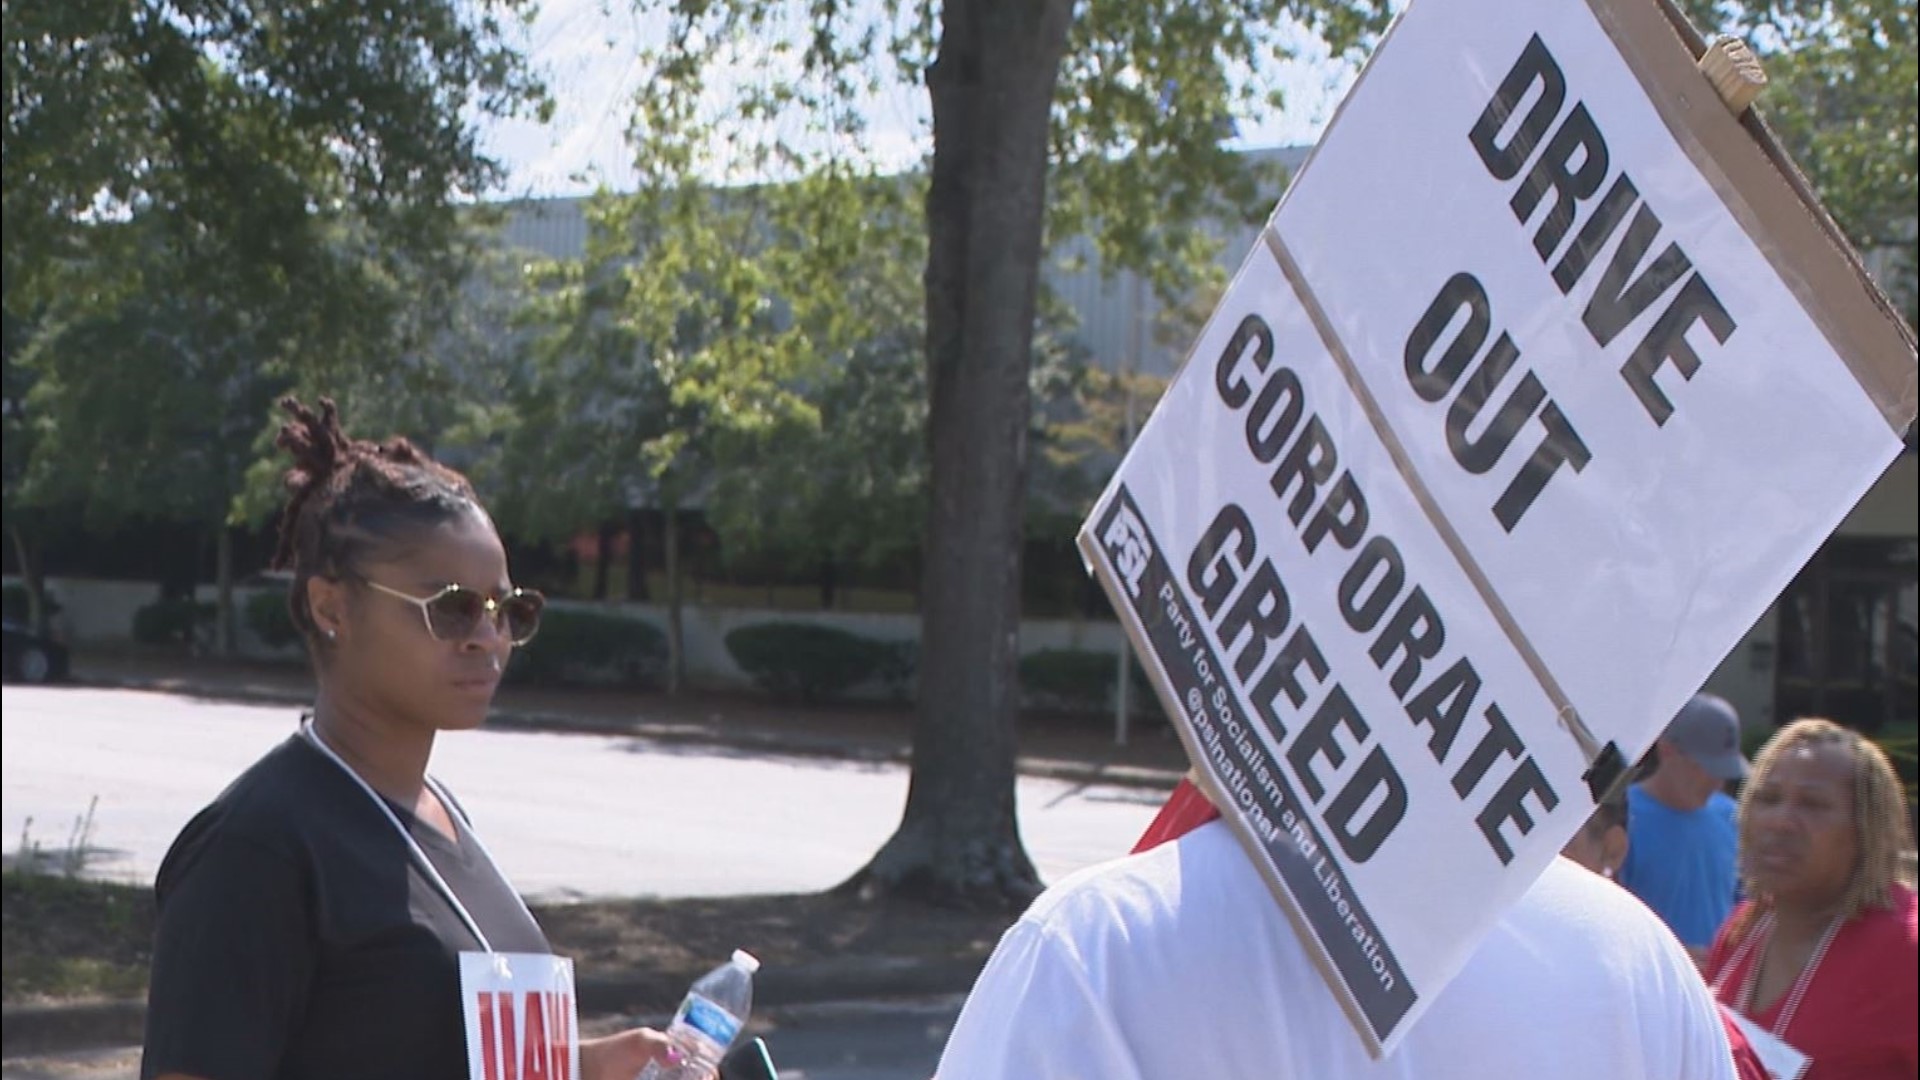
<point>1734,72</point>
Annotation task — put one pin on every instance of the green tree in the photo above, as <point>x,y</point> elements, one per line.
<point>437,371</point>
<point>17,438</point>
<point>252,122</point>
<point>841,485</point>
<point>1120,105</point>
<point>691,329</point>
<point>1842,100</point>
<point>205,200</point>
<point>1087,414</point>
<point>842,481</point>
<point>149,407</point>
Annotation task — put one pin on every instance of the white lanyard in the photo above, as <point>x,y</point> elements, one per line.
<point>413,846</point>
<point>1762,931</point>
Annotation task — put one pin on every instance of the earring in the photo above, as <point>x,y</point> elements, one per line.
<point>1607,872</point>
<point>330,633</point>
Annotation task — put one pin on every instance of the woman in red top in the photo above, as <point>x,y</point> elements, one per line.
<point>1824,954</point>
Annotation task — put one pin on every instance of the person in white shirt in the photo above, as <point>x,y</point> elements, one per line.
<point>1177,964</point>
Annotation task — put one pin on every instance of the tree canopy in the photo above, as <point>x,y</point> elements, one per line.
<point>1102,118</point>
<point>1843,101</point>
<point>206,202</point>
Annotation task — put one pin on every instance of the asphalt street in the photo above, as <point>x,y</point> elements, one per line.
<point>118,772</point>
<point>566,815</point>
<point>877,1041</point>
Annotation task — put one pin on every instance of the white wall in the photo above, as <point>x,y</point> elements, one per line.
<point>97,612</point>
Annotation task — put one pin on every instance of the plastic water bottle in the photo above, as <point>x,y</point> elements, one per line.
<point>709,1020</point>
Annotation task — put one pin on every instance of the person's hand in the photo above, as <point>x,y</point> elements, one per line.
<point>622,1056</point>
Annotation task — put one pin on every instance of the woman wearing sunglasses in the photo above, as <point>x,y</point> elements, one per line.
<point>332,913</point>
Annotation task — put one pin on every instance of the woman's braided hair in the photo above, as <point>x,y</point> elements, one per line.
<point>349,498</point>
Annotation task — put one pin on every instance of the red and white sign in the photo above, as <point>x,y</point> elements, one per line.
<point>521,1017</point>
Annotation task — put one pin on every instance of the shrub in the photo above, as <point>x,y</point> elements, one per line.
<point>1077,679</point>
<point>16,607</point>
<point>175,621</point>
<point>809,662</point>
<point>899,668</point>
<point>267,616</point>
<point>592,647</point>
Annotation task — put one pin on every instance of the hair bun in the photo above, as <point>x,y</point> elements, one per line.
<point>318,445</point>
<point>401,451</point>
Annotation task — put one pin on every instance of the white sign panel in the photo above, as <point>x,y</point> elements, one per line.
<point>1514,421</point>
<point>1646,404</point>
<point>521,1019</point>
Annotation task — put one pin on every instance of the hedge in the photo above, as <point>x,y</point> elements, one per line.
<point>267,616</point>
<point>810,662</point>
<point>1079,680</point>
<point>177,621</point>
<point>578,646</point>
<point>15,605</point>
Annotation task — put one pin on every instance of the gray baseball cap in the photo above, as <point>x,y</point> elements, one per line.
<point>1708,731</point>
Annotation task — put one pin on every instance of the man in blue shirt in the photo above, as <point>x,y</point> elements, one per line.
<point>1682,833</point>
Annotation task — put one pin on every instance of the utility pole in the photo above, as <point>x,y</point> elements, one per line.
<point>1122,685</point>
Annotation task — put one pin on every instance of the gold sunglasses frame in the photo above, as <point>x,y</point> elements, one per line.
<point>491,610</point>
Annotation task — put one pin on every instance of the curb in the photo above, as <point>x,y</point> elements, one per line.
<point>790,745</point>
<point>87,1025</point>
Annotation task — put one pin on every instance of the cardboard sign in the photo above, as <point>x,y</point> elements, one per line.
<point>521,1016</point>
<point>1540,385</point>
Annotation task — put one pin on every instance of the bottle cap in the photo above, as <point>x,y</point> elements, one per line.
<point>746,960</point>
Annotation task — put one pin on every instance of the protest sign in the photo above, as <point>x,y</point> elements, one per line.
<point>1540,384</point>
<point>520,1014</point>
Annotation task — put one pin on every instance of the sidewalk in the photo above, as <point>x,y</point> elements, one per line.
<point>1075,749</point>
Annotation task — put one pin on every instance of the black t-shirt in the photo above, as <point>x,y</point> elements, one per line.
<point>298,938</point>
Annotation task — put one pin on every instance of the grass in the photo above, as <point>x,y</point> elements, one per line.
<point>64,937</point>
<point>67,938</point>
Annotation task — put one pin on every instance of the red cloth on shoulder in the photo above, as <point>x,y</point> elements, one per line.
<point>1186,810</point>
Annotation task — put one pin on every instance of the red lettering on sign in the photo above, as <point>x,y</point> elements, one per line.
<point>534,1065</point>
<point>560,1032</point>
<point>487,1057</point>
<point>509,1061</point>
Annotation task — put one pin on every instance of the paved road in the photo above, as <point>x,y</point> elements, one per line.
<point>566,815</point>
<point>887,1041</point>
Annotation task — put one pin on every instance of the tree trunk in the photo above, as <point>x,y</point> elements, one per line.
<point>636,555</point>
<point>33,579</point>
<point>603,560</point>
<point>223,591</point>
<point>676,643</point>
<point>992,88</point>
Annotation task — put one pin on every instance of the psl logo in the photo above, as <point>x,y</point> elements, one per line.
<point>1128,546</point>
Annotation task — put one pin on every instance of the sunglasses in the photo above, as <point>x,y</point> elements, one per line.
<point>454,613</point>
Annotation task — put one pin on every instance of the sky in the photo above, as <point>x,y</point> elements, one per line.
<point>588,53</point>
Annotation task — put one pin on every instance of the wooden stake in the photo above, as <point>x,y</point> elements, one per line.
<point>1734,72</point>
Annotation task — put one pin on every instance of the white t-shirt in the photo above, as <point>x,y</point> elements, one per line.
<point>1177,965</point>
